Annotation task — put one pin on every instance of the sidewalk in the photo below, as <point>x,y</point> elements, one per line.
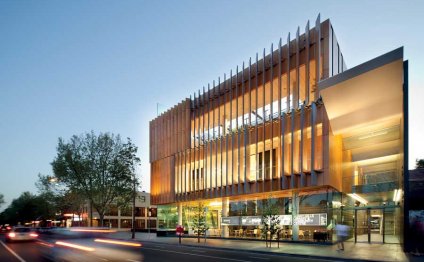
<point>358,251</point>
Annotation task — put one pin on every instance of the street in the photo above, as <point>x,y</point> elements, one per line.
<point>48,250</point>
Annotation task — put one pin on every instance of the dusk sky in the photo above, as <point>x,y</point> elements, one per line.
<point>69,67</point>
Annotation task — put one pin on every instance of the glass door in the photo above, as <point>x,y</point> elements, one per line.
<point>369,225</point>
<point>361,230</point>
<point>376,225</point>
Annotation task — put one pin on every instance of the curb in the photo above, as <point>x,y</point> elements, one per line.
<point>257,251</point>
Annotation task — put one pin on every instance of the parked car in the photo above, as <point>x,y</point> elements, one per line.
<point>21,234</point>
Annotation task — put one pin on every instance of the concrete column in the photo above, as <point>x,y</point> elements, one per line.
<point>180,214</point>
<point>225,206</point>
<point>295,212</point>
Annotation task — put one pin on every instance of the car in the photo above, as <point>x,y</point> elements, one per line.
<point>21,234</point>
<point>5,228</point>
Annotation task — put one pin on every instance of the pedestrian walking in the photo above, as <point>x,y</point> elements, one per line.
<point>342,232</point>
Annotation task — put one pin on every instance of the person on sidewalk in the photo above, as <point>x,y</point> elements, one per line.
<point>342,232</point>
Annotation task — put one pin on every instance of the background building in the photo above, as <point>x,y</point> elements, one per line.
<point>416,210</point>
<point>121,218</point>
<point>326,144</point>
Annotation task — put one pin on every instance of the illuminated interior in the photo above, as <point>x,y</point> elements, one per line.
<point>326,142</point>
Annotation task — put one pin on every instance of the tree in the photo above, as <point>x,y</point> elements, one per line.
<point>101,168</point>
<point>169,215</point>
<point>1,200</point>
<point>26,208</point>
<point>270,219</point>
<point>61,198</point>
<point>199,225</point>
<point>419,163</point>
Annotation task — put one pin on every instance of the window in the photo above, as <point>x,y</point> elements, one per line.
<point>153,212</point>
<point>140,211</point>
<point>126,211</point>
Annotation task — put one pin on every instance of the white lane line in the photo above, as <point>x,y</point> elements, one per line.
<point>12,252</point>
<point>198,255</point>
<point>196,250</point>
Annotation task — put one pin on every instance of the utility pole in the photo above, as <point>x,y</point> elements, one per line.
<point>91,213</point>
<point>133,209</point>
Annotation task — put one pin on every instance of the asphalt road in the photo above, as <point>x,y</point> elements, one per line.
<point>151,252</point>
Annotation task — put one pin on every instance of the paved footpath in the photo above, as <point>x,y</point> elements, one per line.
<point>358,251</point>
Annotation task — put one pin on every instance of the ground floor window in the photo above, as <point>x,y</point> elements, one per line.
<point>167,216</point>
<point>140,223</point>
<point>302,216</point>
<point>126,223</point>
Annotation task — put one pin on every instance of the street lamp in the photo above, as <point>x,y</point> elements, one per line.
<point>149,214</point>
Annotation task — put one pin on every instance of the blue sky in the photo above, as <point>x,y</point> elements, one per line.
<point>69,67</point>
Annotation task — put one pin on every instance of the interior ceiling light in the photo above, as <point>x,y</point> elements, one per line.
<point>360,199</point>
<point>373,134</point>
<point>397,195</point>
<point>215,203</point>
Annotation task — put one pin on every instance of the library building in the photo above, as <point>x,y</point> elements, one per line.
<point>294,127</point>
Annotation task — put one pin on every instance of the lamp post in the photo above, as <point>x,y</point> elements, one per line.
<point>148,219</point>
<point>133,210</point>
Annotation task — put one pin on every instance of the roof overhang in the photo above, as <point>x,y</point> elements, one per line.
<point>366,93</point>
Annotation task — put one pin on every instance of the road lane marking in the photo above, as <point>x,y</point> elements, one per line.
<point>12,252</point>
<point>201,251</point>
<point>132,260</point>
<point>198,255</point>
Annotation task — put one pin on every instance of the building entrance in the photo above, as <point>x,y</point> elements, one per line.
<point>369,225</point>
<point>377,224</point>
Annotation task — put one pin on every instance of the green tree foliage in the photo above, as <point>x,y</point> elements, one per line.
<point>419,163</point>
<point>100,168</point>
<point>61,198</point>
<point>169,216</point>
<point>1,200</point>
<point>270,219</point>
<point>26,208</point>
<point>199,225</point>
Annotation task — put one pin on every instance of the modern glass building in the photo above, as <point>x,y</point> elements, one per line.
<point>325,143</point>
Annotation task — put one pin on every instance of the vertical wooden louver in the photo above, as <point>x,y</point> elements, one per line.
<point>262,129</point>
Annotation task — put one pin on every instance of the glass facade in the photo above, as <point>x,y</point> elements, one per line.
<point>328,145</point>
<point>167,217</point>
<point>318,211</point>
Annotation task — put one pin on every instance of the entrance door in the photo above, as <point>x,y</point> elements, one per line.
<point>369,225</point>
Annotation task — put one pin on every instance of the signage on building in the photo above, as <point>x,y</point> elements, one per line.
<point>286,220</point>
<point>311,219</point>
<point>251,221</point>
<point>230,221</point>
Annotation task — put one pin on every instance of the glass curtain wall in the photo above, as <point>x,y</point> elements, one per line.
<point>317,213</point>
